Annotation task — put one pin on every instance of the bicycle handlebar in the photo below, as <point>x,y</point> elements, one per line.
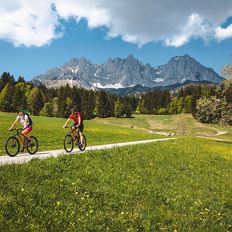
<point>67,127</point>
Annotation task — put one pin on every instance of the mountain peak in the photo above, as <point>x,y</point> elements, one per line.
<point>82,58</point>
<point>129,72</point>
<point>184,57</point>
<point>130,57</point>
<point>187,56</point>
<point>73,60</point>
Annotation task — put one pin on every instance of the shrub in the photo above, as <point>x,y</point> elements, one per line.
<point>163,111</point>
<point>226,115</point>
<point>208,110</point>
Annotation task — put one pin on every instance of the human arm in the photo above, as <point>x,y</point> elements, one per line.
<point>13,124</point>
<point>66,123</point>
<point>79,121</point>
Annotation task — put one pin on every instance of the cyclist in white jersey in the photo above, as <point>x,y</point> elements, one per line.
<point>25,122</point>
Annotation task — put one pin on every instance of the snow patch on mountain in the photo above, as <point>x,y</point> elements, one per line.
<point>159,80</point>
<point>110,86</point>
<point>177,58</point>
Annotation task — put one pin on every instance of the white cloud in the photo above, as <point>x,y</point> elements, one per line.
<point>195,27</point>
<point>223,33</point>
<point>174,23</point>
<point>28,22</point>
<point>89,9</point>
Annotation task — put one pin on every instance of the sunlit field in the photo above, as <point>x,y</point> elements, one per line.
<point>179,185</point>
<point>50,132</point>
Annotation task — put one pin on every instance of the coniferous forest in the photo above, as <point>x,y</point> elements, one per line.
<point>207,103</point>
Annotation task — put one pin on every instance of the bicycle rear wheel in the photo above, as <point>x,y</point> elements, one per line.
<point>32,147</point>
<point>68,143</point>
<point>83,145</point>
<point>12,146</point>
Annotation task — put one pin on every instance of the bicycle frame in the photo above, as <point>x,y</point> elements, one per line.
<point>74,132</point>
<point>19,136</point>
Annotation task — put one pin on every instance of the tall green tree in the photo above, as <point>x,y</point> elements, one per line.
<point>118,108</point>
<point>180,105</point>
<point>21,79</point>
<point>61,102</point>
<point>55,105</point>
<point>88,104</point>
<point>68,106</point>
<point>36,100</point>
<point>140,107</point>
<point>5,79</point>
<point>76,98</point>
<point>20,95</point>
<point>6,99</point>
<point>173,107</point>
<point>126,107</point>
<point>187,104</point>
<point>102,105</point>
<point>47,110</point>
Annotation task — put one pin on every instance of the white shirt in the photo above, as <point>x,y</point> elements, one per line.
<point>22,119</point>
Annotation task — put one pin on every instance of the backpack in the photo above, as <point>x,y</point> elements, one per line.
<point>29,120</point>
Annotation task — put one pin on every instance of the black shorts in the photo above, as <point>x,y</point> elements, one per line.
<point>80,128</point>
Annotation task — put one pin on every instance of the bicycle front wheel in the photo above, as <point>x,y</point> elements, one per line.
<point>12,146</point>
<point>68,143</point>
<point>32,147</point>
<point>83,145</point>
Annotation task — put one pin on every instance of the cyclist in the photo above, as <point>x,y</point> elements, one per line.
<point>26,123</point>
<point>78,123</point>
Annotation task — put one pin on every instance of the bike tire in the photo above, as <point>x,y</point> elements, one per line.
<point>68,140</point>
<point>83,146</point>
<point>33,144</point>
<point>11,142</point>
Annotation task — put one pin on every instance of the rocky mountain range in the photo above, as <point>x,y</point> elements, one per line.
<point>121,73</point>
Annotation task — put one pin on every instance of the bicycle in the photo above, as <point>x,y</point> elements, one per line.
<point>12,145</point>
<point>69,141</point>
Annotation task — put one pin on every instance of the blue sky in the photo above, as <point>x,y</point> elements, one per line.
<point>32,50</point>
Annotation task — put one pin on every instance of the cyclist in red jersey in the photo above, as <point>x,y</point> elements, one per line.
<point>78,123</point>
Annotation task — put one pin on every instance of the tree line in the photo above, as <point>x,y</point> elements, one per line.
<point>40,100</point>
<point>207,103</point>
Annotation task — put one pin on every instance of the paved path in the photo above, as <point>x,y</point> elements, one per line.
<point>23,158</point>
<point>215,139</point>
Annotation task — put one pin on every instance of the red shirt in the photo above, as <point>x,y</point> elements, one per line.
<point>75,116</point>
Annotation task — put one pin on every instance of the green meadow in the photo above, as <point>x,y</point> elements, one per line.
<point>50,132</point>
<point>179,185</point>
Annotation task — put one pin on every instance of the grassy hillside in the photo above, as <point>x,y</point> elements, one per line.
<point>180,124</point>
<point>180,185</point>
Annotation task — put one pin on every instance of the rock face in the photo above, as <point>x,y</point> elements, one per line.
<point>184,68</point>
<point>123,73</point>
